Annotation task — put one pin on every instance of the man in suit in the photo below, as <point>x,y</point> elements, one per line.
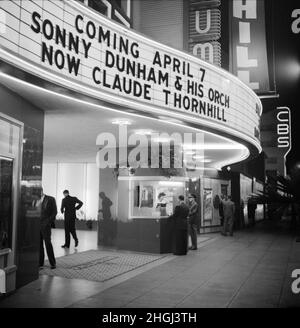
<point>192,219</point>
<point>229,210</point>
<point>251,208</point>
<point>221,212</point>
<point>180,227</point>
<point>108,223</point>
<point>48,210</point>
<point>69,206</point>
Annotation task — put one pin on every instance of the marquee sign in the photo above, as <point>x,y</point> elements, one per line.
<point>249,60</point>
<point>83,49</point>
<point>205,30</point>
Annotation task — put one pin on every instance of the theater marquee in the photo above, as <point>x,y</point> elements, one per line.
<point>85,51</point>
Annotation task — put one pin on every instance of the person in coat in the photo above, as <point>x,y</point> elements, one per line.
<point>251,209</point>
<point>69,206</point>
<point>48,210</point>
<point>192,221</point>
<point>229,210</point>
<point>180,236</point>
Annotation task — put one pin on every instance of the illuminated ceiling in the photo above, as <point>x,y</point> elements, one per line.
<point>72,127</point>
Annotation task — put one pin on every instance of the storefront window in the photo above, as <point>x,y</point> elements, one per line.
<point>9,147</point>
<point>246,192</point>
<point>6,174</point>
<point>213,192</point>
<point>259,188</point>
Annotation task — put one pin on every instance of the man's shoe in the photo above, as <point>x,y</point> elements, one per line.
<point>53,267</point>
<point>76,243</point>
<point>65,246</point>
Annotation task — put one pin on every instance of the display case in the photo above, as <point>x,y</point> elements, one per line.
<point>213,189</point>
<point>154,198</point>
<point>144,206</point>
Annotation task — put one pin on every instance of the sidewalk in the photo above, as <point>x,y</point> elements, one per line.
<point>251,269</point>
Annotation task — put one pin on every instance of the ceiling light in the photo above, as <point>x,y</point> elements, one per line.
<point>171,183</point>
<point>190,152</point>
<point>144,132</point>
<point>160,140</point>
<point>215,146</point>
<point>201,158</point>
<point>121,122</point>
<point>197,160</point>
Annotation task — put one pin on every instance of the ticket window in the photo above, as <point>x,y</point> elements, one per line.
<point>155,199</point>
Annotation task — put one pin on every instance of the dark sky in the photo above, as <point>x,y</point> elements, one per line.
<point>287,55</point>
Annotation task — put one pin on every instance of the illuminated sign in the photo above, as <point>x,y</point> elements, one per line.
<point>68,44</point>
<point>284,129</point>
<point>248,58</point>
<point>205,30</point>
<point>284,135</point>
<point>276,138</point>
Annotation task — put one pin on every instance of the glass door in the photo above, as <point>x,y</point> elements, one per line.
<point>6,203</point>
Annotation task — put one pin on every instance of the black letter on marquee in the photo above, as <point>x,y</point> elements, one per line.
<point>134,50</point>
<point>60,65</point>
<point>48,36</point>
<point>156,59</point>
<point>73,64</point>
<point>35,17</point>
<point>76,23</point>
<point>73,42</point>
<point>104,36</point>
<point>109,59</point>
<point>167,93</point>
<point>48,53</point>
<point>96,69</point>
<point>87,47</point>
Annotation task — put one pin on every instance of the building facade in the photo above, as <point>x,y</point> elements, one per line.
<point>79,85</point>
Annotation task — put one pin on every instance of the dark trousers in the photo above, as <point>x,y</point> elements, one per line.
<point>45,237</point>
<point>228,225</point>
<point>193,234</point>
<point>180,242</point>
<point>70,229</point>
<point>221,221</point>
<point>251,220</point>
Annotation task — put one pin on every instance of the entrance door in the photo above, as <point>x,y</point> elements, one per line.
<point>6,204</point>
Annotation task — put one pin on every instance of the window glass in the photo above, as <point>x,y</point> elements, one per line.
<point>6,173</point>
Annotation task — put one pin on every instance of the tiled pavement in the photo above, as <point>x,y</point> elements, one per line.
<point>251,269</point>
